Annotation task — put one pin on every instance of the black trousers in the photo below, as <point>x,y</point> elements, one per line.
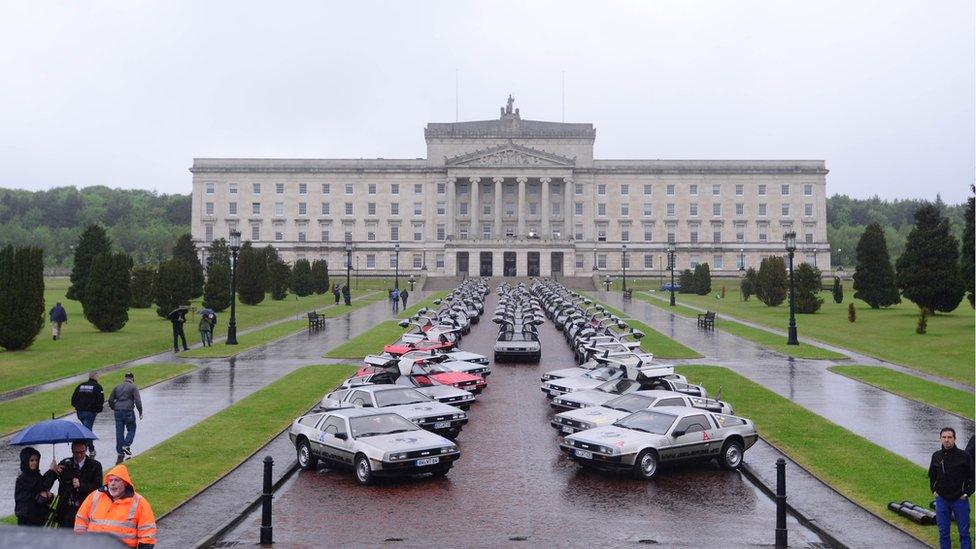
<point>178,333</point>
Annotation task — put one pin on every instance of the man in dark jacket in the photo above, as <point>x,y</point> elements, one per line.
<point>58,316</point>
<point>32,490</point>
<point>951,481</point>
<point>125,400</point>
<point>336,292</point>
<point>178,318</point>
<point>88,401</point>
<point>78,476</point>
<point>346,294</point>
<point>404,294</point>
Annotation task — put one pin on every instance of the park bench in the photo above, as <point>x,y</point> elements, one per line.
<point>706,320</point>
<point>315,321</point>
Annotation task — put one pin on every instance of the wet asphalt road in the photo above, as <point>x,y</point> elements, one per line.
<point>513,487</point>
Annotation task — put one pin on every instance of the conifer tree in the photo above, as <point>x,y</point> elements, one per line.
<point>216,293</point>
<point>142,286</point>
<point>219,253</point>
<point>928,271</point>
<point>186,250</point>
<point>772,282</point>
<point>302,283</point>
<point>93,241</point>
<point>251,275</point>
<point>320,276</point>
<point>703,279</point>
<point>807,284</point>
<point>967,263</point>
<point>171,287</point>
<point>280,274</point>
<point>21,296</point>
<point>687,282</point>
<point>838,291</point>
<point>749,283</point>
<point>108,294</point>
<point>874,278</point>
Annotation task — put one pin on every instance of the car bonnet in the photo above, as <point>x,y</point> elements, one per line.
<point>619,437</point>
<point>596,415</point>
<point>590,397</point>
<point>405,442</point>
<point>413,411</point>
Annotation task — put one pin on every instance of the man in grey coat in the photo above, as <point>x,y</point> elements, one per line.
<point>125,400</point>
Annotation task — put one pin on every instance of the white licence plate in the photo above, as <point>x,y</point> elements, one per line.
<point>583,454</point>
<point>428,461</point>
<point>554,392</point>
<point>442,425</point>
<point>566,429</point>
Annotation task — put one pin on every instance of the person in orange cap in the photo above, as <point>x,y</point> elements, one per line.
<point>118,509</point>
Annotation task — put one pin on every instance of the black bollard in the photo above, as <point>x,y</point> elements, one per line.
<point>266,537</point>
<point>781,503</point>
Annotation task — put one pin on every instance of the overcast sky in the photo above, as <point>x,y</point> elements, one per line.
<point>126,94</point>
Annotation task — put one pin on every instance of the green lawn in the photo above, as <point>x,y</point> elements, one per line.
<point>756,335</point>
<point>253,339</point>
<point>915,388</point>
<point>178,468</point>
<point>15,414</point>
<point>659,344</point>
<point>947,349</point>
<point>873,479</point>
<point>369,342</point>
<point>84,348</point>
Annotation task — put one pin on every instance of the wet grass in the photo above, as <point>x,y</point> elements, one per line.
<point>915,388</point>
<point>861,470</point>
<point>248,341</point>
<point>756,335</point>
<point>15,414</point>
<point>83,348</point>
<point>947,349</point>
<point>369,342</point>
<point>178,468</point>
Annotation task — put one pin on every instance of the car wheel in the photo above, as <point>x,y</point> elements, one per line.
<point>364,471</point>
<point>645,466</point>
<point>306,460</point>
<point>452,433</point>
<point>731,456</point>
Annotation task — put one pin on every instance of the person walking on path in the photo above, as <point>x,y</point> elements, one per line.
<point>78,476</point>
<point>395,300</point>
<point>117,509</point>
<point>88,400</point>
<point>58,317</point>
<point>125,400</point>
<point>32,490</point>
<point>346,295</point>
<point>178,317</point>
<point>403,297</point>
<point>206,330</point>
<point>336,292</point>
<point>951,481</point>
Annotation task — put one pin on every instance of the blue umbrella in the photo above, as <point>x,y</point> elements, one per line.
<point>53,431</point>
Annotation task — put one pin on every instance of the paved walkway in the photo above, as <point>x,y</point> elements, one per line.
<point>174,405</point>
<point>905,427</point>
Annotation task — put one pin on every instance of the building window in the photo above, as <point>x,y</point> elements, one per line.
<point>694,261</point>
<point>671,239</point>
<point>785,210</point>
<point>510,230</point>
<point>486,209</point>
<point>348,188</point>
<point>279,188</point>
<point>648,233</point>
<point>717,261</point>
<point>601,189</point>
<point>417,261</point>
<point>326,210</point>
<point>208,232</point>
<point>648,261</point>
<point>418,188</point>
<point>625,261</point>
<point>371,188</point>
<point>371,232</point>
<point>716,190</point>
<point>693,210</point>
<point>762,208</point>
<point>463,231</point>
<point>740,209</point>
<point>440,232</point>
<point>418,233</point>
<point>739,190</point>
<point>371,208</point>
<point>394,260</point>
<point>694,236</point>
<point>486,231</point>
<point>302,208</point>
<point>601,209</point>
<point>509,209</point>
<point>808,238</point>
<point>303,188</point>
<point>578,232</point>
<point>279,233</point>
<point>394,188</point>
<point>693,189</point>
<point>647,189</point>
<point>394,232</point>
<point>762,233</point>
<point>301,236</point>
<point>579,188</point>
<point>255,232</point>
<point>347,233</point>
<point>325,234</point>
<point>740,235</point>
<point>326,188</point>
<point>441,188</point>
<point>255,188</point>
<point>579,208</point>
<point>533,208</point>
<point>716,237</point>
<point>625,210</point>
<point>394,208</point>
<point>648,210</point>
<point>463,208</point>
<point>601,261</point>
<point>601,233</point>
<point>784,190</point>
<point>670,189</point>
<point>555,208</point>
<point>232,188</point>
<point>762,190</point>
<point>808,190</point>
<point>209,186</point>
<point>439,261</point>
<point>348,208</point>
<point>279,209</point>
<point>208,208</point>
<point>232,208</point>
<point>740,261</point>
<point>625,189</point>
<point>717,210</point>
<point>579,261</point>
<point>670,209</point>
<point>808,209</point>
<point>418,208</point>
<point>624,235</point>
<point>255,208</point>
<point>370,261</point>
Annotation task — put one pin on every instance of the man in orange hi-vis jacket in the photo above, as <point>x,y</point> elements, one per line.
<point>117,509</point>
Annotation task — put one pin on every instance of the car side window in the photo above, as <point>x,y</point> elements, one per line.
<point>361,398</point>
<point>339,395</point>
<point>692,424</point>
<point>334,425</point>
<point>309,421</point>
<point>669,402</point>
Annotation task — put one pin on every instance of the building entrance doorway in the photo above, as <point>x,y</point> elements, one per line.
<point>556,259</point>
<point>485,263</point>
<point>509,264</point>
<point>462,264</point>
<point>532,263</point>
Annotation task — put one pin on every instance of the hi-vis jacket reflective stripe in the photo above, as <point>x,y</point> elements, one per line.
<point>129,518</point>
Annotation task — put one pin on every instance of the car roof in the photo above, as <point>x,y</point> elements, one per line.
<point>681,411</point>
<point>357,412</point>
<point>657,393</point>
<point>377,388</point>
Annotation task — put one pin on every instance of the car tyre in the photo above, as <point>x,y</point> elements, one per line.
<point>306,460</point>
<point>364,471</point>
<point>731,456</point>
<point>646,464</point>
<point>451,434</point>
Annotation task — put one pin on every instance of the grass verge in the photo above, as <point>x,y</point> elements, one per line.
<point>756,335</point>
<point>911,387</point>
<point>17,413</point>
<point>253,339</point>
<point>872,479</point>
<point>177,469</point>
<point>370,341</point>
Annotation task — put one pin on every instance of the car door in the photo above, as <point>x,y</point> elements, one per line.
<point>692,438</point>
<point>333,447</point>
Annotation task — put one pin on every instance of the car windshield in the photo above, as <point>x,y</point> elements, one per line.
<point>382,424</point>
<point>617,386</point>
<point>397,397</point>
<point>649,422</point>
<point>629,403</point>
<point>604,374</point>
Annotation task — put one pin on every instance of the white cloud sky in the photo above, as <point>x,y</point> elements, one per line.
<point>126,94</point>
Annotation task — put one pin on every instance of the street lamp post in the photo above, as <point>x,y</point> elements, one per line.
<point>742,259</point>
<point>595,266</point>
<point>624,266</point>
<point>790,240</point>
<point>607,282</point>
<point>348,263</point>
<point>412,280</point>
<point>235,246</point>
<point>671,250</point>
<point>396,276</point>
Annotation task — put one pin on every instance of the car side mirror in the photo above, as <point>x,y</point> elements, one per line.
<point>437,302</point>
<point>341,436</point>
<point>403,323</point>
<point>677,433</point>
<point>622,325</point>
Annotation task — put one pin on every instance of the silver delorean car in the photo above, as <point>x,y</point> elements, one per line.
<point>443,419</point>
<point>591,417</point>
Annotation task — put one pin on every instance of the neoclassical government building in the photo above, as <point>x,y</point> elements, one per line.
<point>515,197</point>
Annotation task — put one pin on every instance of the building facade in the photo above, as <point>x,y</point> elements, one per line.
<point>514,197</point>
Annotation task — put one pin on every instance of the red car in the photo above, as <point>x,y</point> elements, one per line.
<point>401,347</point>
<point>468,382</point>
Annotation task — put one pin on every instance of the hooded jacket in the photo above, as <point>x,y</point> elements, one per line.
<point>128,517</point>
<point>28,503</point>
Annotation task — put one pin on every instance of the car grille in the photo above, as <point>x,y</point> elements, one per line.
<point>416,454</point>
<point>433,419</point>
<point>570,404</point>
<point>559,388</point>
<point>453,399</point>
<point>572,423</point>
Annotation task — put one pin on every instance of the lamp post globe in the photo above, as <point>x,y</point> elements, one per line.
<point>671,253</point>
<point>235,246</point>
<point>607,281</point>
<point>789,240</point>
<point>412,280</point>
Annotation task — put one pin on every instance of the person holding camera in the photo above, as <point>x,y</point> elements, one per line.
<point>78,476</point>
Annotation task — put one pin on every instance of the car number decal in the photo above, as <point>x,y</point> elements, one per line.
<point>705,436</point>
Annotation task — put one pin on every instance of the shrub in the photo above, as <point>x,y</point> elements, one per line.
<point>771,282</point>
<point>108,294</point>
<point>928,269</point>
<point>251,275</point>
<point>302,282</point>
<point>280,275</point>
<point>807,286</point>
<point>851,312</point>
<point>219,253</point>
<point>216,292</point>
<point>874,278</point>
<point>171,287</point>
<point>141,286</point>
<point>838,290</point>
<point>93,241</point>
<point>686,279</point>
<point>185,250</point>
<point>703,279</point>
<point>320,276</point>
<point>21,296</point>
<point>923,320</point>
<point>749,283</point>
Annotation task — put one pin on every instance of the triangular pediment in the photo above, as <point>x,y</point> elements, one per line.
<point>510,154</point>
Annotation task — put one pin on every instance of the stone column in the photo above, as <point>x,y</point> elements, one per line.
<point>568,210</point>
<point>520,206</point>
<point>475,230</point>
<point>545,229</point>
<point>499,232</point>
<point>451,207</point>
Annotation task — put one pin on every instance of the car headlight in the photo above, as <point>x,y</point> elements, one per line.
<point>570,442</point>
<point>418,421</point>
<point>607,449</point>
<point>458,416</point>
<point>397,456</point>
<point>448,449</point>
<point>559,401</point>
